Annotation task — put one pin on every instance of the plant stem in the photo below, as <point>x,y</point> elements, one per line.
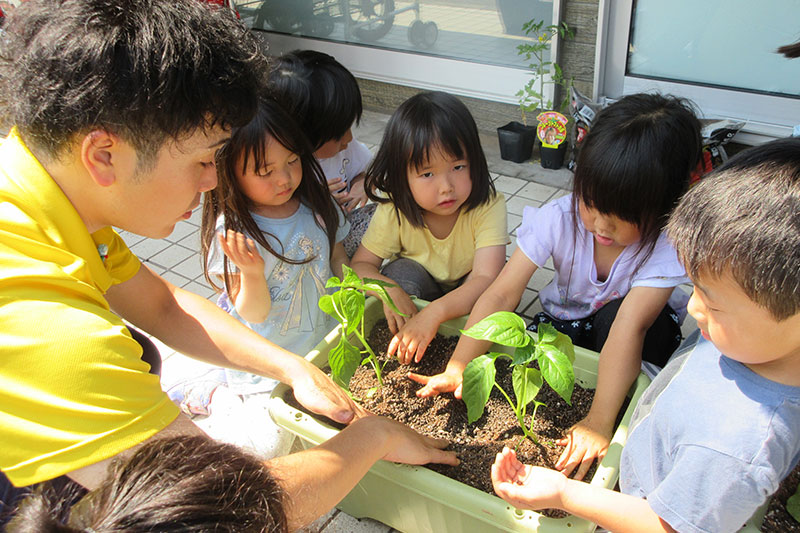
<point>373,359</point>
<point>519,414</point>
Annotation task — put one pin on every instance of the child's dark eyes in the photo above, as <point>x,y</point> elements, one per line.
<point>459,167</point>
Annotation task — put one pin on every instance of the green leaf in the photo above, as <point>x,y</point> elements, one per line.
<point>351,279</point>
<point>564,344</point>
<point>478,382</point>
<point>527,382</point>
<point>793,505</point>
<point>557,370</point>
<point>502,327</point>
<point>326,304</point>
<point>351,304</point>
<point>343,360</point>
<point>523,354</point>
<point>333,281</point>
<point>383,294</point>
<point>547,333</point>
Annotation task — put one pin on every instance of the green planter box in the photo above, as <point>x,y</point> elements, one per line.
<point>415,499</point>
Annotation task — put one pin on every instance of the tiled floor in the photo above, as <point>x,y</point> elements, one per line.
<point>177,258</point>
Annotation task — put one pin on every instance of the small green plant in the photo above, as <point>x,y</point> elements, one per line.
<point>531,96</point>
<point>552,349</point>
<point>347,306</point>
<point>793,505</point>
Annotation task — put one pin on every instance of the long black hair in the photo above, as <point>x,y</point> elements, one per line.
<point>250,142</point>
<point>422,124</point>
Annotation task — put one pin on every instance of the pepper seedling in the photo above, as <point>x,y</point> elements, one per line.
<point>346,305</point>
<point>552,350</point>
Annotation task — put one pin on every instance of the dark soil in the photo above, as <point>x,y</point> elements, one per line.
<point>445,417</point>
<point>778,519</point>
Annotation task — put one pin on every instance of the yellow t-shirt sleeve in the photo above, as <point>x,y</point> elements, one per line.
<point>120,262</point>
<point>382,237</point>
<point>491,226</point>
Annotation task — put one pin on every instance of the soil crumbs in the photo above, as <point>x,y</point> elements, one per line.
<point>445,417</point>
<point>778,519</point>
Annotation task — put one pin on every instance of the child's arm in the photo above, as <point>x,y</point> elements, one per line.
<point>533,487</point>
<point>252,299</point>
<point>367,265</point>
<point>339,258</point>
<point>413,338</point>
<point>502,295</point>
<point>620,361</point>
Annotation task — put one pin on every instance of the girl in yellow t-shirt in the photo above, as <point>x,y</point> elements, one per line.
<point>439,220</point>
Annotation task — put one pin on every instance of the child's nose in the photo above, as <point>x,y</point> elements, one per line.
<point>695,308</point>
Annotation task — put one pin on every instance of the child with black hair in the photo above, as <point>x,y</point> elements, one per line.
<point>616,274</point>
<point>719,428</point>
<point>439,220</point>
<point>271,238</point>
<point>324,98</point>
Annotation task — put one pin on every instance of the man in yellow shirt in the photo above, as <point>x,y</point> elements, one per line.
<point>117,110</point>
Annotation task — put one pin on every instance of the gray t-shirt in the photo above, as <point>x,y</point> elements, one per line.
<point>295,321</point>
<point>711,440</point>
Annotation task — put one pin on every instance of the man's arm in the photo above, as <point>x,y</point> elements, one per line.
<point>196,327</point>
<point>315,480</point>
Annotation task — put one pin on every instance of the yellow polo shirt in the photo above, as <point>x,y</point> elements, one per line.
<point>390,235</point>
<point>73,387</point>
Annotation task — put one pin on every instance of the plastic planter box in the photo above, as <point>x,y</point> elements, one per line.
<point>416,499</point>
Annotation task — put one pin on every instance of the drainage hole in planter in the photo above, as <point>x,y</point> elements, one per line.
<point>298,416</point>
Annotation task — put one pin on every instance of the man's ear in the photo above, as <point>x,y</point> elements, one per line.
<point>98,151</point>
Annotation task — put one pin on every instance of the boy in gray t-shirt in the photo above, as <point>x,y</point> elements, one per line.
<point>719,428</point>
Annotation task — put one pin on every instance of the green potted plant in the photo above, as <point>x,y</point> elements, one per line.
<point>415,498</point>
<point>551,130</point>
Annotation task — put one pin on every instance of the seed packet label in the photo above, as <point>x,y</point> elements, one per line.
<point>552,128</point>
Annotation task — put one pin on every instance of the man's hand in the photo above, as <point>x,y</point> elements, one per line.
<point>408,446</point>
<point>584,443</point>
<point>316,392</point>
<point>524,486</point>
<point>437,384</point>
<point>242,252</point>
<point>411,341</point>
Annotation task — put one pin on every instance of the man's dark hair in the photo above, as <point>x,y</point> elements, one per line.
<point>744,219</point>
<point>147,70</point>
<point>318,92</point>
<point>177,484</point>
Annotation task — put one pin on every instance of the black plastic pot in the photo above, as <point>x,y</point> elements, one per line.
<point>553,158</point>
<point>516,141</point>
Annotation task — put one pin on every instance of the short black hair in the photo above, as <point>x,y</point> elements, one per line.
<point>147,70</point>
<point>182,483</point>
<point>321,94</point>
<point>744,219</point>
<point>426,122</point>
<point>636,160</point>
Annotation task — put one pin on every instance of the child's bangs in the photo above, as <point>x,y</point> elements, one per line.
<point>430,141</point>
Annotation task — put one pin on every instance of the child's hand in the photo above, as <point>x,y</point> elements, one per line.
<point>356,197</point>
<point>243,252</point>
<point>437,384</point>
<point>406,306</point>
<point>524,486</point>
<point>584,443</point>
<point>338,189</point>
<point>413,338</point>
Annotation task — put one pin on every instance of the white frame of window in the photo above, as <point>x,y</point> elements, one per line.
<point>464,78</point>
<point>767,116</point>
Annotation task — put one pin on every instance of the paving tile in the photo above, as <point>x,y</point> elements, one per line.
<point>508,185</point>
<point>147,248</point>
<point>175,279</point>
<point>191,267</point>
<point>540,279</point>
<point>344,523</point>
<point>172,256</point>
<point>537,191</point>
<point>516,204</point>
